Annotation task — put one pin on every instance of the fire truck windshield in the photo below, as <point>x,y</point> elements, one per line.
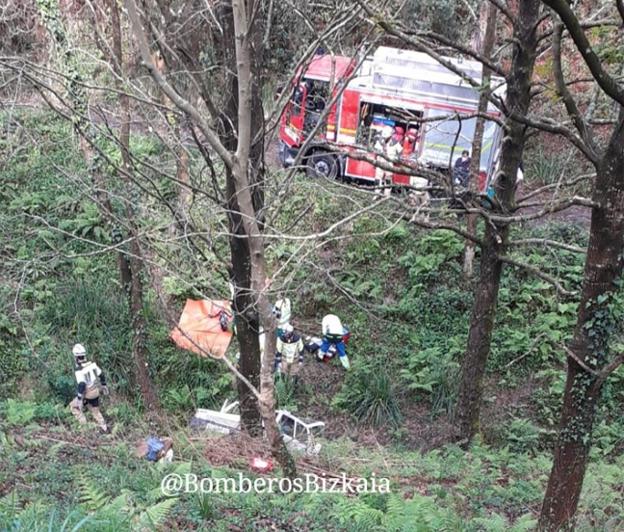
<point>452,135</point>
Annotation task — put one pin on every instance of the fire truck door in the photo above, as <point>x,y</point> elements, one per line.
<point>297,108</point>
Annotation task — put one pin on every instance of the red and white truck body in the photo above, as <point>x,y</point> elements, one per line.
<point>392,88</point>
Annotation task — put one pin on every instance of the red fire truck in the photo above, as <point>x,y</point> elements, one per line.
<point>392,88</point>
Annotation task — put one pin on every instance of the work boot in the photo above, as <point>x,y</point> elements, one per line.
<point>99,418</point>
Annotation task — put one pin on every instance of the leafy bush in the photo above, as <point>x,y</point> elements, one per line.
<point>285,389</point>
<point>19,413</point>
<point>434,371</point>
<point>434,249</point>
<point>523,435</point>
<point>370,396</point>
<point>545,167</point>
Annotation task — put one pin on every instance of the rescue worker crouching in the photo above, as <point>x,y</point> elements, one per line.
<point>289,353</point>
<point>88,393</point>
<point>334,334</point>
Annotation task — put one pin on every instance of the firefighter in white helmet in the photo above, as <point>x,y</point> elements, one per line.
<point>289,353</point>
<point>282,313</point>
<point>89,378</point>
<point>334,334</point>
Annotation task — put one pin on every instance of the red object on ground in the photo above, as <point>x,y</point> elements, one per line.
<point>260,465</point>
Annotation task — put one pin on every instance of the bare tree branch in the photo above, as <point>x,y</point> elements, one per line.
<point>538,273</point>
<point>603,78</point>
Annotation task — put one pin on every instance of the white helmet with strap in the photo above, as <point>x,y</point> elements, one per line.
<point>79,351</point>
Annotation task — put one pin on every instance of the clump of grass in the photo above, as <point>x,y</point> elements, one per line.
<point>371,398</point>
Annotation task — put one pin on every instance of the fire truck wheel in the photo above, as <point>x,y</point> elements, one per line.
<point>322,165</point>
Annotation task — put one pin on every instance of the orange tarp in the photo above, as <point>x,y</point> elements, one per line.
<point>199,330</point>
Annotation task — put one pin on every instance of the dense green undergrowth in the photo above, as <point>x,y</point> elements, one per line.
<point>57,484</point>
<point>400,291</point>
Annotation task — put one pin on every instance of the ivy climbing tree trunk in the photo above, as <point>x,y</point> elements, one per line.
<point>590,344</point>
<point>590,359</point>
<point>486,291</point>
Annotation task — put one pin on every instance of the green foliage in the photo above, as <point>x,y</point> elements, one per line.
<point>523,435</point>
<point>370,396</point>
<point>608,436</point>
<point>91,497</point>
<point>185,399</point>
<point>285,389</point>
<point>433,371</point>
<point>549,396</point>
<point>156,514</point>
<point>19,413</point>
<point>418,514</point>
<point>12,363</point>
<point>445,17</point>
<point>546,166</point>
<point>432,251</point>
<point>88,223</point>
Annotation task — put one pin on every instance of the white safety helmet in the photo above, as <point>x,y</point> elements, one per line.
<point>387,132</point>
<point>79,351</point>
<point>288,328</point>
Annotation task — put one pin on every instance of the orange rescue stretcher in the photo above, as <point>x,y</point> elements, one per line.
<point>204,327</point>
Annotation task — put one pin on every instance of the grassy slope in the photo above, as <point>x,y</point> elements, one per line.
<point>398,292</point>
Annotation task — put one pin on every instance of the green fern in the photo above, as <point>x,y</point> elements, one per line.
<point>91,497</point>
<point>155,515</point>
<point>358,515</point>
<point>9,504</point>
<point>419,514</point>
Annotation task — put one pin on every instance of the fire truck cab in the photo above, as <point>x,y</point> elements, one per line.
<point>397,88</point>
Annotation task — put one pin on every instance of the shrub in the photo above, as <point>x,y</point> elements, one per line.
<point>523,435</point>
<point>434,371</point>
<point>19,413</point>
<point>369,395</point>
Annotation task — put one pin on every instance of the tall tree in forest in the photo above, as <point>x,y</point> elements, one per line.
<point>135,257</point>
<point>590,356</point>
<point>485,42</point>
<point>131,263</point>
<point>243,194</point>
<point>182,52</point>
<point>517,101</point>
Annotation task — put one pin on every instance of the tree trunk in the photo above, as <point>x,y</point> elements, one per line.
<point>135,292</point>
<point>247,322</point>
<point>242,171</point>
<point>480,335</point>
<point>590,343</point>
<point>484,307</point>
<point>488,13</point>
<point>245,303</point>
<point>180,152</point>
